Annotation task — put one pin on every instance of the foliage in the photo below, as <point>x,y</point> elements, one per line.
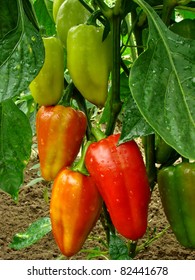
<point>150,93</point>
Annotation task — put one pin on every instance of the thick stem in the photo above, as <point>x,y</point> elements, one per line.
<point>137,30</point>
<point>86,6</point>
<point>149,147</point>
<point>107,223</point>
<point>80,165</point>
<point>97,133</point>
<point>132,249</point>
<point>82,106</point>
<point>114,98</point>
<point>168,7</point>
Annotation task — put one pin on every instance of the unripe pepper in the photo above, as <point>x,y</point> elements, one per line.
<point>56,6</point>
<point>89,61</point>
<point>47,87</point>
<point>70,13</point>
<point>163,152</point>
<point>120,175</point>
<point>184,28</point>
<point>177,191</point>
<point>60,131</point>
<point>75,207</point>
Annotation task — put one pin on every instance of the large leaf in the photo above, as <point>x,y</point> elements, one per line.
<point>15,146</point>
<point>33,233</point>
<point>133,123</point>
<point>162,82</point>
<point>22,51</point>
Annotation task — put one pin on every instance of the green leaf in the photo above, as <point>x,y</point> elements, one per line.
<point>49,5</point>
<point>15,147</point>
<point>188,14</point>
<point>22,51</point>
<point>162,82</point>
<point>34,233</point>
<point>45,21</point>
<point>118,249</point>
<point>133,125</point>
<point>185,28</point>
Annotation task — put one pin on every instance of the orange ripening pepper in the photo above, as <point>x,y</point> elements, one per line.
<point>60,131</point>
<point>75,207</point>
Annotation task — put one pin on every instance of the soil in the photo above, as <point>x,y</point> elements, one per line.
<point>32,205</point>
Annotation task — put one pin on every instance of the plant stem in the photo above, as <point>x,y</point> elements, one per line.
<point>132,249</point>
<point>168,7</point>
<point>80,165</point>
<point>114,97</point>
<point>151,240</point>
<point>86,6</point>
<point>117,7</point>
<point>106,10</point>
<point>108,225</point>
<point>97,133</point>
<point>82,105</point>
<point>137,30</point>
<point>149,147</point>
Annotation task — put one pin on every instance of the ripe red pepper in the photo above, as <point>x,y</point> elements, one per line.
<point>75,207</point>
<point>120,175</point>
<point>60,131</point>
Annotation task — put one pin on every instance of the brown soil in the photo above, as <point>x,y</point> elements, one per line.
<point>32,205</point>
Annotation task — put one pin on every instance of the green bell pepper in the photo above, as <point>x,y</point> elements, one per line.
<point>164,153</point>
<point>177,191</point>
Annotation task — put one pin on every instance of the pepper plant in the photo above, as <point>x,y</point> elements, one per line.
<point>133,62</point>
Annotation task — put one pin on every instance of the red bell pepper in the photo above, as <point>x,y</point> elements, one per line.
<point>75,207</point>
<point>60,131</point>
<point>120,175</point>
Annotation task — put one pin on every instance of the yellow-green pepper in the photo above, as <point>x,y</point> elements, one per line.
<point>56,6</point>
<point>47,87</point>
<point>70,13</point>
<point>89,61</point>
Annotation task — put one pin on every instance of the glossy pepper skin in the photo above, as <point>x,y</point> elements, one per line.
<point>70,13</point>
<point>177,191</point>
<point>75,207</point>
<point>56,6</point>
<point>120,175</point>
<point>164,153</point>
<point>47,87</point>
<point>60,131</point>
<point>89,61</point>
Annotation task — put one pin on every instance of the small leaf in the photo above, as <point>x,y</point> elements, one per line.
<point>118,249</point>
<point>34,233</point>
<point>35,181</point>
